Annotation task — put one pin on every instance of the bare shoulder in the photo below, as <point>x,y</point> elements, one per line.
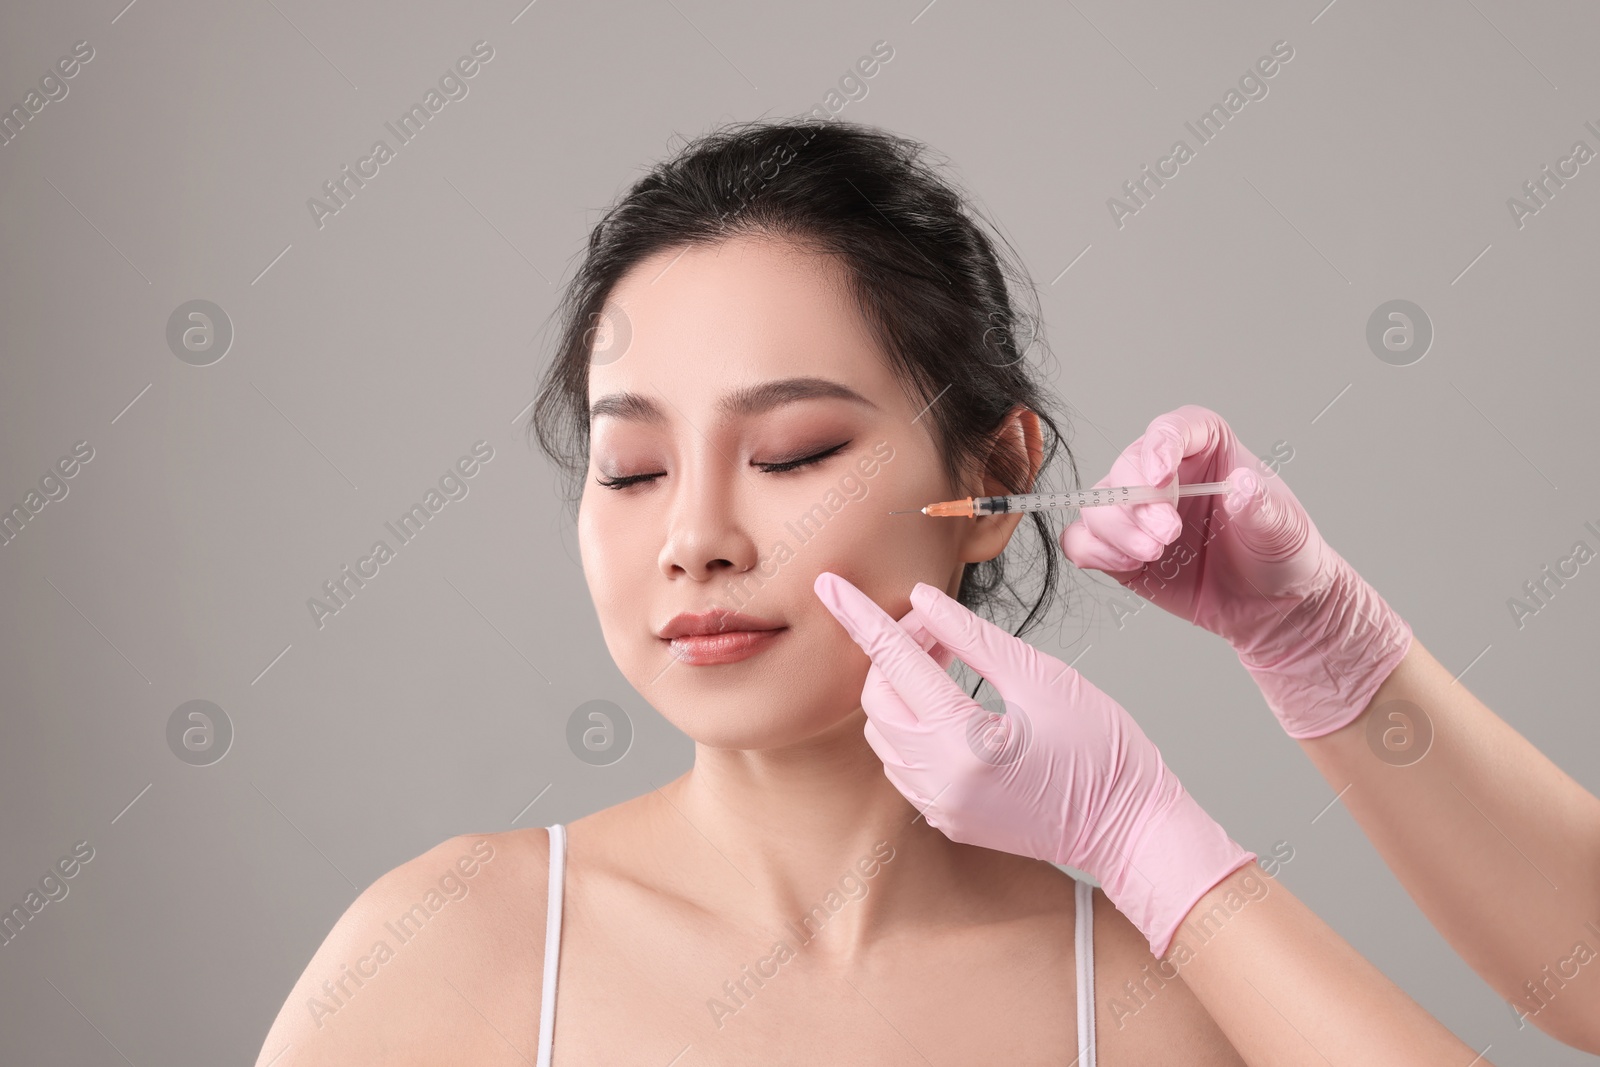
<point>1144,1013</point>
<point>437,959</point>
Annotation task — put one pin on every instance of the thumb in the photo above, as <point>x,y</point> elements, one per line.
<point>1264,516</point>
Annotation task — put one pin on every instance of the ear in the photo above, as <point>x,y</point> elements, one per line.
<point>1017,446</point>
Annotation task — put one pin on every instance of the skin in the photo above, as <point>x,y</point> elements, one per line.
<point>946,945</point>
<point>947,953</point>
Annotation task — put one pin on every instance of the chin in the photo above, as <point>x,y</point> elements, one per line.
<point>787,692</point>
<point>738,731</point>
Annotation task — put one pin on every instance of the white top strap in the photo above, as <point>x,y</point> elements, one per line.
<point>552,942</point>
<point>1083,938</point>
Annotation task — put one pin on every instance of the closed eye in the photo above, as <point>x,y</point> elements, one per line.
<point>794,464</point>
<point>767,468</point>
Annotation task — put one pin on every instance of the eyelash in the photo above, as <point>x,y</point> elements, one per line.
<point>769,468</point>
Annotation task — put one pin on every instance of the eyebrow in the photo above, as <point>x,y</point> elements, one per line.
<point>745,402</point>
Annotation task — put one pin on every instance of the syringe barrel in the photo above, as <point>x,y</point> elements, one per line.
<point>1081,498</point>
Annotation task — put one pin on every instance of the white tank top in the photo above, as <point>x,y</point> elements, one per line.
<point>1083,940</point>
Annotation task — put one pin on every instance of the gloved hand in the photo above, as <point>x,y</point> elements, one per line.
<point>1065,775</point>
<point>1251,568</point>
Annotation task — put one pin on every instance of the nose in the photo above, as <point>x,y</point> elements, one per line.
<point>706,535</point>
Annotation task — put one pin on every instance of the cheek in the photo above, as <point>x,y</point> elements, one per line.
<point>588,546</point>
<point>616,566</point>
<point>896,551</point>
<point>611,556</point>
<point>882,555</point>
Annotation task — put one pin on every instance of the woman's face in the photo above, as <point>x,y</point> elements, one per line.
<point>743,359</point>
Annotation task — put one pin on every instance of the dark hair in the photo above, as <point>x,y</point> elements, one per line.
<point>924,274</point>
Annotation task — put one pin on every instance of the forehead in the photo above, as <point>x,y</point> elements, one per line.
<point>709,318</point>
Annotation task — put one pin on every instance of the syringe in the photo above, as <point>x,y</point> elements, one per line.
<point>973,506</point>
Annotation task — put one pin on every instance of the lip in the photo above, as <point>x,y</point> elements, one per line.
<point>706,650</point>
<point>715,621</point>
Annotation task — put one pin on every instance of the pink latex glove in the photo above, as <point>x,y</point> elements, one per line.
<point>1065,775</point>
<point>1251,568</point>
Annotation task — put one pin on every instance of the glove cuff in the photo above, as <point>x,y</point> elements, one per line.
<point>1331,654</point>
<point>1181,854</point>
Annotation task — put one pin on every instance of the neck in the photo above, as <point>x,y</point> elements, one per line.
<point>822,847</point>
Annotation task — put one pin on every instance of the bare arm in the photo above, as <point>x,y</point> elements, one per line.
<point>1481,799</point>
<point>1287,990</point>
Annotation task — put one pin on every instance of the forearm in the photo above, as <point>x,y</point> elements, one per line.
<point>1497,845</point>
<point>1286,989</point>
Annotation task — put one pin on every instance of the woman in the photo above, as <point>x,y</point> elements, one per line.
<point>775,340</point>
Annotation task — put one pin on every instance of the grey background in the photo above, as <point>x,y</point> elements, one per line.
<point>370,354</point>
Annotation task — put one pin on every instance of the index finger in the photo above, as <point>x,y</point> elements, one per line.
<point>1175,435</point>
<point>915,675</point>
